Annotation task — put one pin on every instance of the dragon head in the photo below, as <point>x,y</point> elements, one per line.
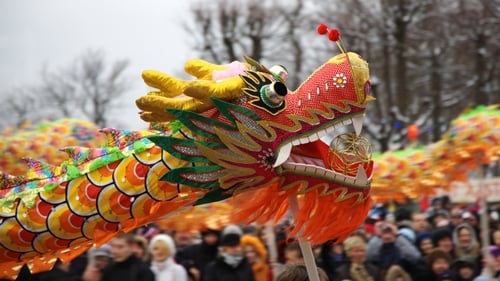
<point>269,144</point>
<point>271,134</point>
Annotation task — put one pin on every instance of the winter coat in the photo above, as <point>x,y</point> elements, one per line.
<point>343,272</point>
<point>407,251</point>
<point>197,256</point>
<point>132,269</point>
<point>169,271</point>
<point>218,270</point>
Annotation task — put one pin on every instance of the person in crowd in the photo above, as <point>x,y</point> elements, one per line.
<point>424,243</point>
<point>464,269</point>
<point>436,205</point>
<point>126,266</point>
<point>99,260</point>
<point>456,216</point>
<point>60,272</point>
<point>183,239</point>
<point>162,248</point>
<point>298,272</point>
<point>231,264</point>
<point>256,254</point>
<point>419,222</point>
<point>496,238</point>
<point>388,248</point>
<point>472,218</point>
<point>442,238</point>
<point>140,248</point>
<point>491,262</point>
<point>396,273</point>
<point>466,245</point>
<point>439,262</point>
<point>441,218</point>
<point>196,257</point>
<point>331,257</point>
<point>356,268</point>
<point>293,253</point>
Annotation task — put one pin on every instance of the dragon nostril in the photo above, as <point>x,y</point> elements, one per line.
<point>280,89</point>
<point>273,94</point>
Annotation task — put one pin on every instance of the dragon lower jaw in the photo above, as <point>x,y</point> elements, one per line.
<point>291,156</point>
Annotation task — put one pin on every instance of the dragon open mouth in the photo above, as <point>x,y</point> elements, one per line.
<point>307,154</point>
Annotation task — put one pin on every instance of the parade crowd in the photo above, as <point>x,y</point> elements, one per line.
<point>441,242</point>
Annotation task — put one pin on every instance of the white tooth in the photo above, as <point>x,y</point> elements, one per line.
<point>357,122</point>
<point>361,176</point>
<point>346,122</point>
<point>283,154</point>
<point>312,138</point>
<point>304,140</point>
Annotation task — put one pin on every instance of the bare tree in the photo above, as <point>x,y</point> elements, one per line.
<point>429,59</point>
<point>266,30</point>
<point>87,87</point>
<point>18,107</point>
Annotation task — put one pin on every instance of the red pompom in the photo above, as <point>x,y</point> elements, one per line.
<point>334,34</point>
<point>322,28</point>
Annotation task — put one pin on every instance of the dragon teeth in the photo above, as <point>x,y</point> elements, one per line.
<point>283,154</point>
<point>357,123</point>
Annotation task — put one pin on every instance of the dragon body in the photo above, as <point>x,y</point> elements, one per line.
<point>213,139</point>
<point>473,139</point>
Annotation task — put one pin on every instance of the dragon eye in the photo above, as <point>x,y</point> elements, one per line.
<point>368,88</point>
<point>279,72</point>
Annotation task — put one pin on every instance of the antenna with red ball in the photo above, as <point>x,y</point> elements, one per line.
<point>333,35</point>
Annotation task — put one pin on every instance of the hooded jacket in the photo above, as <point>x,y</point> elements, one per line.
<point>470,252</point>
<point>260,268</point>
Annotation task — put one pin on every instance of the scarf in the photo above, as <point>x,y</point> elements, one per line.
<point>358,273</point>
<point>232,260</point>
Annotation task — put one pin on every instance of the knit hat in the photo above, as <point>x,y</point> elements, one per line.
<point>440,234</point>
<point>422,236</point>
<point>167,240</point>
<point>103,251</point>
<point>231,235</point>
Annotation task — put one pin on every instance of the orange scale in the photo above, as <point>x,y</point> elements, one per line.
<point>8,255</point>
<point>160,190</point>
<point>34,218</point>
<point>55,196</point>
<point>141,207</point>
<point>14,237</point>
<point>64,224</point>
<point>150,156</point>
<point>113,205</point>
<point>96,225</point>
<point>104,175</point>
<point>82,196</point>
<point>130,175</point>
<point>46,242</point>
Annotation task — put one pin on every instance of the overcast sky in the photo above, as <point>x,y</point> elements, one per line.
<point>54,32</point>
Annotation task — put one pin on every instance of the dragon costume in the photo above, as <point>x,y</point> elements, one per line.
<point>234,131</point>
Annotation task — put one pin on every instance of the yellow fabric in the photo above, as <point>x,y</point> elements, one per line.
<point>192,95</point>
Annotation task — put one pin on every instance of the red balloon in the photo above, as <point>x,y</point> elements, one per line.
<point>412,132</point>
